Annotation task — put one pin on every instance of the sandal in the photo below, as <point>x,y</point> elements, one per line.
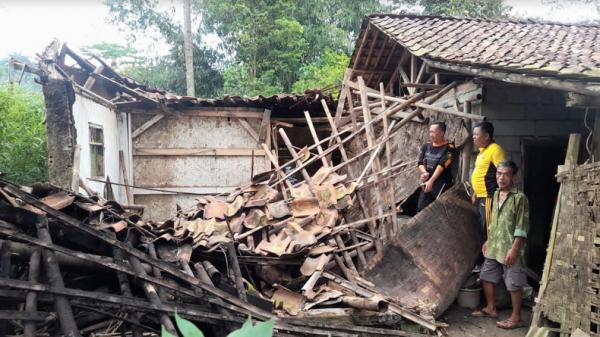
<point>483,313</point>
<point>509,325</point>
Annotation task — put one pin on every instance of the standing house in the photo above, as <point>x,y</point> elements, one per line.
<point>537,83</point>
<point>103,126</point>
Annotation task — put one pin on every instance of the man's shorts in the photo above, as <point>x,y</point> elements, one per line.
<point>493,271</point>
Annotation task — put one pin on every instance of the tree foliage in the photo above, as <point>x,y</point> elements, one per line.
<point>23,151</point>
<point>167,72</point>
<point>491,9</point>
<point>326,72</point>
<point>265,46</point>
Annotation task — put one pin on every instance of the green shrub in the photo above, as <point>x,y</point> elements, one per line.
<point>23,149</point>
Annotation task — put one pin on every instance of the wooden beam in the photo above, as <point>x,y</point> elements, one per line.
<point>123,168</point>
<point>137,132</point>
<point>373,42</point>
<point>89,83</point>
<point>202,152</point>
<point>431,107</point>
<point>548,82</point>
<point>362,45</point>
<point>263,131</point>
<point>224,112</point>
<point>244,123</point>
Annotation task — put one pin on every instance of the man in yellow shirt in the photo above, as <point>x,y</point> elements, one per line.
<point>483,178</point>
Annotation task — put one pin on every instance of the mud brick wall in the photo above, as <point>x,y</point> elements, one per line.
<point>572,296</point>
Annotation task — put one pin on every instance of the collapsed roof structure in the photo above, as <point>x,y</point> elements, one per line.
<point>296,199</point>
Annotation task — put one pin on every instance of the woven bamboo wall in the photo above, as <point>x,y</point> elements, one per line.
<point>572,296</point>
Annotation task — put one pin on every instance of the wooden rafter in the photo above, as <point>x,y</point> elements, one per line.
<point>362,44</point>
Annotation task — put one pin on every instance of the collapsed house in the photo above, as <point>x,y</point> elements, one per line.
<point>305,194</point>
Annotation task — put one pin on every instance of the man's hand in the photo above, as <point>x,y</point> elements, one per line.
<point>474,199</point>
<point>511,257</point>
<point>484,247</point>
<point>428,186</point>
<point>424,176</point>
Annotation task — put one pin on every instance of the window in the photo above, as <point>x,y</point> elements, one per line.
<point>97,150</point>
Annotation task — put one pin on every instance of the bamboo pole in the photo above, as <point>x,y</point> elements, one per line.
<point>390,181</point>
<point>61,303</point>
<point>31,297</point>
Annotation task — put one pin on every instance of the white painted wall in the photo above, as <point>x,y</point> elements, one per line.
<point>86,111</point>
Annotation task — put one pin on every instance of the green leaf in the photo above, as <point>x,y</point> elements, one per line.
<point>164,332</point>
<point>261,329</point>
<point>187,328</point>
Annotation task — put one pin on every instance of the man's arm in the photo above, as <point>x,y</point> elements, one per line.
<point>521,229</point>
<point>513,253</point>
<point>444,163</point>
<point>421,162</point>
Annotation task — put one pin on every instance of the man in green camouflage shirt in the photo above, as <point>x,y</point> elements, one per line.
<point>504,249</point>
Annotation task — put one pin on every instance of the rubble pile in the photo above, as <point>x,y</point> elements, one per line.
<point>272,249</point>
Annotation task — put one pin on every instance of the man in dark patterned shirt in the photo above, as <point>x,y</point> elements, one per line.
<point>434,163</point>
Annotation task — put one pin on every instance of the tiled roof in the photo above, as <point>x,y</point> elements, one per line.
<point>543,48</point>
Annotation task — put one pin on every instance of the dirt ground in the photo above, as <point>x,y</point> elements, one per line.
<point>463,325</point>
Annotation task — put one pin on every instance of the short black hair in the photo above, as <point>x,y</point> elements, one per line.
<point>486,127</point>
<point>440,125</point>
<point>510,164</point>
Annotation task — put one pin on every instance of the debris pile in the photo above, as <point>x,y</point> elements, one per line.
<point>76,264</point>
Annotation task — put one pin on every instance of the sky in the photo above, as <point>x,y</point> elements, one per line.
<point>35,23</point>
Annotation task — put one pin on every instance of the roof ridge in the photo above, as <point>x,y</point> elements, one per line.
<point>529,21</point>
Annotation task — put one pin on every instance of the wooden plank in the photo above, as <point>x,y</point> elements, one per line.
<point>315,137</point>
<point>39,316</point>
<point>390,182</point>
<point>123,168</point>
<point>62,306</point>
<point>244,123</point>
<point>430,107</point>
<point>377,164</point>
<point>203,152</point>
<point>223,112</point>
<point>361,46</point>
<point>147,125</point>
<point>89,83</point>
<point>65,219</point>
<point>196,190</point>
<point>263,131</point>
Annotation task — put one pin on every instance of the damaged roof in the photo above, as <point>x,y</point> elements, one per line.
<point>546,48</point>
<point>124,93</point>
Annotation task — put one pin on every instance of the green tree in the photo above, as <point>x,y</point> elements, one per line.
<point>115,53</point>
<point>23,151</point>
<point>325,73</point>
<point>264,44</point>
<point>491,9</point>
<point>145,17</point>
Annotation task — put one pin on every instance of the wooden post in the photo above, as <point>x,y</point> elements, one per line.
<point>294,154</point>
<point>125,287</point>
<point>377,164</point>
<point>61,303</point>
<point>237,273</point>
<point>315,137</point>
<point>388,154</point>
<point>467,151</point>
<point>128,189</point>
<point>31,297</point>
